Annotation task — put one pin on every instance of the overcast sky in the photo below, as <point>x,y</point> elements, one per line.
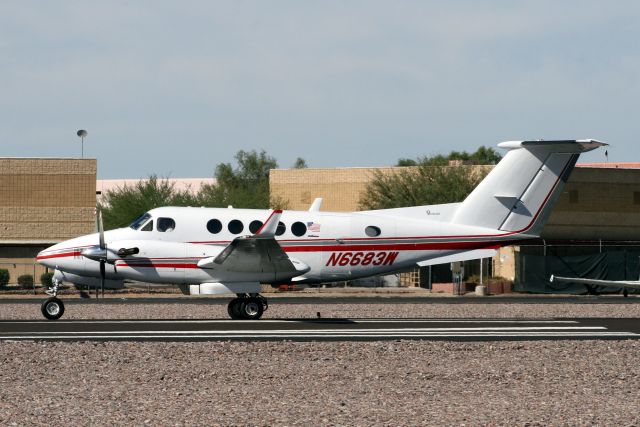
<point>174,88</point>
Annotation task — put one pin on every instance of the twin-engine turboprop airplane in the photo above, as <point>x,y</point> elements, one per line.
<point>212,251</point>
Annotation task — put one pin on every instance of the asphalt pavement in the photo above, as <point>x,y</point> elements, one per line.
<point>321,330</point>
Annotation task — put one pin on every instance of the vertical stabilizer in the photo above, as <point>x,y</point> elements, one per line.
<point>519,192</point>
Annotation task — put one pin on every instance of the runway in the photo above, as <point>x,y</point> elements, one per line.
<point>321,330</point>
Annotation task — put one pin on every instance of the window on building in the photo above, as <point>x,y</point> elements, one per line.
<point>372,231</point>
<point>214,226</point>
<point>298,229</point>
<point>235,226</point>
<point>255,226</point>
<point>166,224</point>
<point>280,230</point>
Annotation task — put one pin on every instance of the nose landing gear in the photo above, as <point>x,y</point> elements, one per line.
<point>53,308</point>
<point>247,307</point>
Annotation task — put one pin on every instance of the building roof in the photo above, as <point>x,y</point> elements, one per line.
<point>608,165</point>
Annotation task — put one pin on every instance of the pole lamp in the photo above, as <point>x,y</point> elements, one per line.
<point>82,133</point>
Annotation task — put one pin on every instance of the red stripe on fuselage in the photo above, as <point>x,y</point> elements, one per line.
<point>60,255</point>
<point>154,265</point>
<point>396,247</point>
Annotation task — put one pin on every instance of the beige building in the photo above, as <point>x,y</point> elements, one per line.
<point>341,188</point>
<point>43,201</point>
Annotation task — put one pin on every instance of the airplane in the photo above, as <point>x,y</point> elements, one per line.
<point>624,284</point>
<point>208,251</point>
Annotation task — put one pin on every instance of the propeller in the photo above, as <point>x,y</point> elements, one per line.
<point>103,249</point>
<point>98,253</point>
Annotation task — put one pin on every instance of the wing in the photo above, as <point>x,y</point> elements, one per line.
<point>461,256</point>
<point>259,253</point>
<point>630,284</point>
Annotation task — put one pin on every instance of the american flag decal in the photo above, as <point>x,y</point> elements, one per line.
<point>313,227</point>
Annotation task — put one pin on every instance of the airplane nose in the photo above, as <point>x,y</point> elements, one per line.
<point>46,256</point>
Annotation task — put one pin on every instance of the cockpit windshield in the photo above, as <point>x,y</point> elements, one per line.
<point>138,222</point>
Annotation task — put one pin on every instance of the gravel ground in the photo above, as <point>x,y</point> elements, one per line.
<point>322,383</point>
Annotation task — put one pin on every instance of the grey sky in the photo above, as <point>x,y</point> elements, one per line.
<point>174,88</point>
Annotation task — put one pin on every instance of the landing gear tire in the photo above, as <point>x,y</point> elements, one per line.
<point>234,308</point>
<point>53,308</point>
<point>625,293</point>
<point>246,308</point>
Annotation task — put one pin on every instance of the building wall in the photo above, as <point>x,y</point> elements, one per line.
<point>596,204</point>
<point>341,188</point>
<point>43,201</point>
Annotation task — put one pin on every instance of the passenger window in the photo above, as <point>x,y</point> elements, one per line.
<point>255,226</point>
<point>372,231</point>
<point>235,226</point>
<point>281,229</point>
<point>148,226</point>
<point>298,229</point>
<point>214,226</point>
<point>166,224</point>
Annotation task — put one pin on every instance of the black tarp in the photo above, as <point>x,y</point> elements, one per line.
<point>533,271</point>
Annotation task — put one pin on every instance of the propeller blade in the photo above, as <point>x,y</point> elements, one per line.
<point>103,275</point>
<point>100,229</point>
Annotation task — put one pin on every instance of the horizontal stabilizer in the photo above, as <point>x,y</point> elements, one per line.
<point>461,256</point>
<point>630,284</point>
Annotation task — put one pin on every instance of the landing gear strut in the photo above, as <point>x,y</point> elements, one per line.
<point>53,308</point>
<point>247,307</point>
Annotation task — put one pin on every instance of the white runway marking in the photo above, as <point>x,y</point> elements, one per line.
<point>363,329</point>
<point>335,331</point>
<point>328,319</point>
<point>326,336</point>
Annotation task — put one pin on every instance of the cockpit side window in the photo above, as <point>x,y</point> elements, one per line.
<point>137,223</point>
<point>148,226</point>
<point>166,224</point>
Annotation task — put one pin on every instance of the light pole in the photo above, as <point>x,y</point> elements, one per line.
<point>82,133</point>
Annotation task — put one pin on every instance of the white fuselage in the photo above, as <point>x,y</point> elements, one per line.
<point>330,246</point>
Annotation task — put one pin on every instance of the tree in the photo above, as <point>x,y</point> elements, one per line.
<point>300,163</point>
<point>421,185</point>
<point>122,205</point>
<point>246,186</point>
<point>482,156</point>
<point>406,162</point>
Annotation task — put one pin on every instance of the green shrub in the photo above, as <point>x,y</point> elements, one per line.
<point>473,279</point>
<point>4,277</point>
<point>25,280</point>
<point>46,279</point>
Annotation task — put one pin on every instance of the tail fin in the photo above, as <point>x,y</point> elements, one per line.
<point>519,192</point>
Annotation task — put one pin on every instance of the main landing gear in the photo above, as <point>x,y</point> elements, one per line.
<point>247,307</point>
<point>53,308</point>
